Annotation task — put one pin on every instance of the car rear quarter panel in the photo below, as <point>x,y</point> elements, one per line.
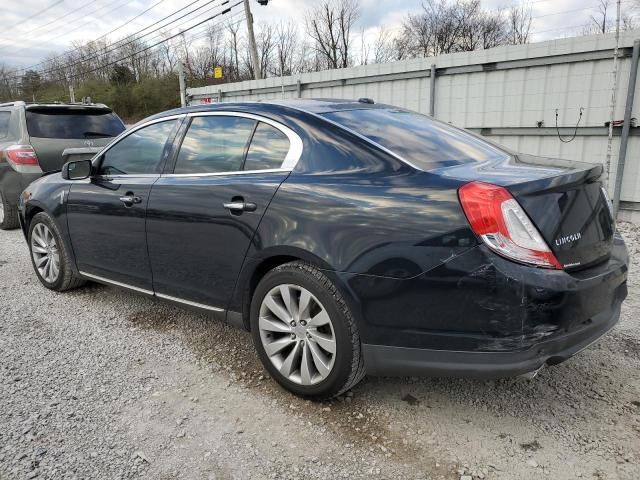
<point>373,234</point>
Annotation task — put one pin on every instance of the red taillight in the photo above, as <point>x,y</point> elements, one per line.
<point>503,225</point>
<point>21,155</point>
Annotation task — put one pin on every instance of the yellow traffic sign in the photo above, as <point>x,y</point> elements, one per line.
<point>217,72</point>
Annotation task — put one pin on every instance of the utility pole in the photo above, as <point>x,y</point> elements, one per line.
<point>612,104</point>
<point>252,42</point>
<point>183,91</point>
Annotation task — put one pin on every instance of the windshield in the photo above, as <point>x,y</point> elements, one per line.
<point>417,138</point>
<point>67,123</point>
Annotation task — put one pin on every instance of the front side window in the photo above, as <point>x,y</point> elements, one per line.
<point>214,144</point>
<point>269,146</point>
<point>141,152</point>
<point>425,142</point>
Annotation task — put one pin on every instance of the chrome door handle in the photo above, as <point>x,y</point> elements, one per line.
<point>240,206</point>
<point>131,199</point>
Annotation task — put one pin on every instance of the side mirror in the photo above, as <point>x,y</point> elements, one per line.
<point>78,170</point>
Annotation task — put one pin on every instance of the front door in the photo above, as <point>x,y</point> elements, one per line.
<point>107,213</point>
<point>202,216</point>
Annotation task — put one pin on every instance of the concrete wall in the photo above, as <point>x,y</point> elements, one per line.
<point>501,92</point>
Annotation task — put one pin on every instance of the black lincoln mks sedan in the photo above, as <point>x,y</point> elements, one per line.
<point>350,238</point>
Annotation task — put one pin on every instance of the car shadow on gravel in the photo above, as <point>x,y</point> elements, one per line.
<point>573,392</point>
<point>228,350</point>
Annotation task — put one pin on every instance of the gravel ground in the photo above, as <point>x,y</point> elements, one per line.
<point>101,383</point>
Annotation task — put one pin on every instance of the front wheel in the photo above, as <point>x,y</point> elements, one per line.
<point>304,332</point>
<point>49,257</point>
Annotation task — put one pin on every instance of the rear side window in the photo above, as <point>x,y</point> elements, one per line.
<point>138,153</point>
<point>419,139</point>
<point>214,144</point>
<point>269,146</point>
<point>70,123</point>
<point>5,118</point>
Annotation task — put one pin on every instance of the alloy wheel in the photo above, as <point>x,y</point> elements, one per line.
<point>1,211</point>
<point>46,255</point>
<point>297,334</point>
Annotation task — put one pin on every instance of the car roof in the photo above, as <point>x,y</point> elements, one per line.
<point>310,105</point>
<point>37,105</point>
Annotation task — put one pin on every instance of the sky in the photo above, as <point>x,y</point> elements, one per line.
<point>32,29</point>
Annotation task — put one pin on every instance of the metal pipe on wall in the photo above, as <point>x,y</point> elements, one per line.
<point>624,139</point>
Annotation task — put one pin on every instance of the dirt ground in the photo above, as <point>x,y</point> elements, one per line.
<point>101,383</point>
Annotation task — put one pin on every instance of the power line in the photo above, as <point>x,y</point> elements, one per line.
<point>134,37</point>
<point>160,42</point>
<point>100,37</point>
<point>40,12</point>
<point>67,31</point>
<point>60,18</point>
<point>572,11</point>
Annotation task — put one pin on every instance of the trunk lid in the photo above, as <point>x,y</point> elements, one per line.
<point>564,199</point>
<point>52,129</point>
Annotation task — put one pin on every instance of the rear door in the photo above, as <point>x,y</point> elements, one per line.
<point>107,213</point>
<point>53,129</point>
<point>203,214</point>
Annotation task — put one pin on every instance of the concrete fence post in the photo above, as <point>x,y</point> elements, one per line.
<point>432,91</point>
<point>624,139</point>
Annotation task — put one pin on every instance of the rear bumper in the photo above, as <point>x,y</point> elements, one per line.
<point>481,315</point>
<point>400,361</point>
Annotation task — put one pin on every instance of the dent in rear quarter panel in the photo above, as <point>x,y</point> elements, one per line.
<point>373,232</point>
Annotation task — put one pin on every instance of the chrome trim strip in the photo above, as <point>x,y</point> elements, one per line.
<point>133,175</point>
<point>188,302</point>
<point>133,129</point>
<point>218,174</point>
<point>359,135</point>
<point>113,282</point>
<point>149,292</point>
<point>295,147</point>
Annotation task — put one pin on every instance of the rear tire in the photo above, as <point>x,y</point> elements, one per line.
<point>301,318</point>
<point>8,214</point>
<point>49,256</point>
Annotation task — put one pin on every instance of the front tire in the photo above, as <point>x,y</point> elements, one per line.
<point>304,332</point>
<point>49,256</point>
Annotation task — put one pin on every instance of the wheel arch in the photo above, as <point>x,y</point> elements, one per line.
<point>254,269</point>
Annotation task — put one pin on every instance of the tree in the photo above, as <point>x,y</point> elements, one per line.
<point>233,44</point>
<point>30,84</point>
<point>8,83</point>
<point>329,25</point>
<point>444,26</point>
<point>599,21</point>
<point>121,75</point>
<point>520,19</point>
<point>384,49</point>
<point>286,39</point>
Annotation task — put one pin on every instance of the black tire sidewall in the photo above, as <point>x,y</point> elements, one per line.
<point>46,220</point>
<point>344,342</point>
<point>9,221</point>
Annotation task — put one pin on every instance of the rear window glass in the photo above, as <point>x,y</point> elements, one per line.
<point>72,124</point>
<point>419,139</point>
<point>268,149</point>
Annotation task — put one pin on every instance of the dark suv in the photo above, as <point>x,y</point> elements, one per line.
<point>33,137</point>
